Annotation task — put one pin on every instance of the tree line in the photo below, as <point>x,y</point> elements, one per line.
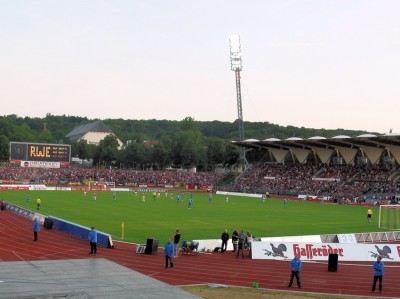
<point>152,144</point>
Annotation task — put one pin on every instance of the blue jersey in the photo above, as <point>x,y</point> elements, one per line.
<point>378,267</point>
<point>92,236</point>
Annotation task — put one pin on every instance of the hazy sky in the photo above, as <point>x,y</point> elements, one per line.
<point>318,64</point>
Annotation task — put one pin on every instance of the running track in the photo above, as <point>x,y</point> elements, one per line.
<point>221,268</point>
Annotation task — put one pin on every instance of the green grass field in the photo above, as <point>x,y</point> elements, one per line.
<point>161,217</point>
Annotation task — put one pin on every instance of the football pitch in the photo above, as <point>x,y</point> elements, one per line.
<point>159,218</point>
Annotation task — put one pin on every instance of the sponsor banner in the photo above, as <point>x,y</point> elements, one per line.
<point>120,189</point>
<point>313,197</point>
<point>40,164</point>
<point>100,189</point>
<point>14,162</point>
<point>24,212</point>
<point>8,181</point>
<point>61,188</point>
<point>320,251</point>
<point>165,186</point>
<point>239,194</point>
<point>204,187</point>
<point>37,187</point>
<point>23,187</point>
<point>14,187</point>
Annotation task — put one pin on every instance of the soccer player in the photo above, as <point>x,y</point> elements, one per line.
<point>190,202</point>
<point>38,203</point>
<point>369,215</point>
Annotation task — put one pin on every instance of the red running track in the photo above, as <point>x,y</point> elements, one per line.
<point>16,239</point>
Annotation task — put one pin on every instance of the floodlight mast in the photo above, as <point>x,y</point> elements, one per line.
<point>236,66</point>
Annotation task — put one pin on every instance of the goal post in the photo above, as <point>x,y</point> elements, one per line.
<point>389,216</point>
<point>100,185</point>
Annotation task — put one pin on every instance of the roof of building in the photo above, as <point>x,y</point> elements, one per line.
<point>97,126</point>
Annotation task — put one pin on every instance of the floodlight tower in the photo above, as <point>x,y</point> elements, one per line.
<point>236,66</point>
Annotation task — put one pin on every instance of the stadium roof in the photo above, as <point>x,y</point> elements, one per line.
<point>371,146</point>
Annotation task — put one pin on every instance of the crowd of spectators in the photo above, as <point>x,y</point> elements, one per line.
<point>121,177</point>
<point>271,177</point>
<point>319,179</point>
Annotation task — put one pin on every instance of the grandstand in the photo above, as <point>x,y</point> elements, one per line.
<point>362,166</point>
<point>366,149</point>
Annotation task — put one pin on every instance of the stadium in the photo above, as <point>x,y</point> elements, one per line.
<point>315,192</point>
<point>133,198</point>
<point>293,196</point>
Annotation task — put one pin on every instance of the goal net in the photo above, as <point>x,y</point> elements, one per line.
<point>100,185</point>
<point>389,216</point>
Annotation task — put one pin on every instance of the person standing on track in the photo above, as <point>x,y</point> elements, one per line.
<point>225,239</point>
<point>177,239</point>
<point>242,238</point>
<point>169,254</point>
<point>93,241</point>
<point>36,228</point>
<point>295,268</point>
<point>378,273</point>
<point>235,240</point>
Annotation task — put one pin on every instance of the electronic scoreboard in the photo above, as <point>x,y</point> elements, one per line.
<point>22,151</point>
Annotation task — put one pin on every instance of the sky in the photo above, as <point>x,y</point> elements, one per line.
<point>311,63</point>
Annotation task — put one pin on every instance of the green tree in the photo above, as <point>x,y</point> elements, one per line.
<point>186,150</point>
<point>4,148</point>
<point>133,156</point>
<point>107,151</point>
<point>231,155</point>
<point>6,127</point>
<point>160,156</point>
<point>215,152</point>
<point>82,150</point>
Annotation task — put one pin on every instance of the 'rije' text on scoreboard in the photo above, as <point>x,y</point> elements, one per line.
<point>40,152</point>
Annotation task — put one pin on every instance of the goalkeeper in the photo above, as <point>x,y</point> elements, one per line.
<point>369,215</point>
